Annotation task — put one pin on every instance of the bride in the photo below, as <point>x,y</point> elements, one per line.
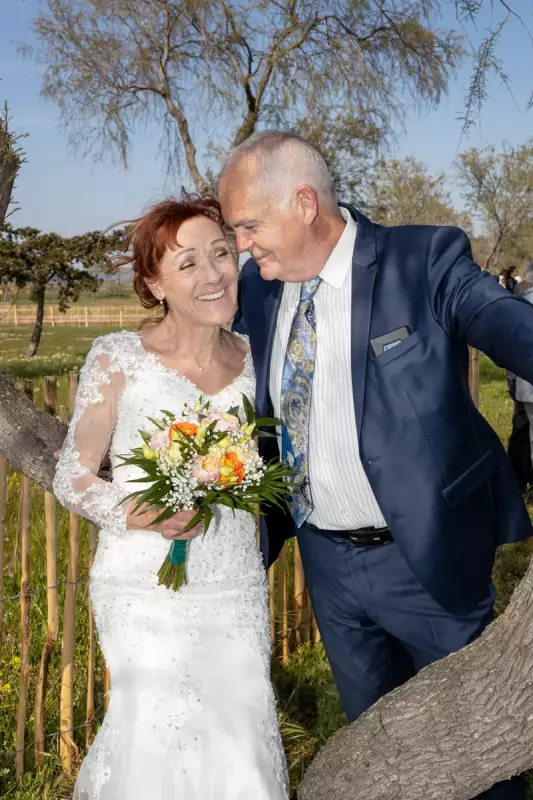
<point>192,714</point>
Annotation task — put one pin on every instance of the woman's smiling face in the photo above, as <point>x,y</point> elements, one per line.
<point>197,277</point>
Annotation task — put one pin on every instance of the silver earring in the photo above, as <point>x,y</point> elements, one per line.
<point>161,302</point>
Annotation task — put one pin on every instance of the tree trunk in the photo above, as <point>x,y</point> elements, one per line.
<point>38,327</point>
<point>7,181</point>
<point>10,162</point>
<point>29,437</point>
<point>458,727</point>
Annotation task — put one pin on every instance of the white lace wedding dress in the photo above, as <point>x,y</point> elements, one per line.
<point>192,714</point>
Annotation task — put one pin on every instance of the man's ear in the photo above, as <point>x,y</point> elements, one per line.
<point>306,200</point>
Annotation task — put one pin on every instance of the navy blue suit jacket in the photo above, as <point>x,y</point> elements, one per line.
<point>438,470</point>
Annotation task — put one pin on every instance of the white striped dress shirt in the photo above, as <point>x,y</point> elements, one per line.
<point>342,496</point>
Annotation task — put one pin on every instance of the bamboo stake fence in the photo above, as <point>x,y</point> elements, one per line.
<point>290,613</point>
<point>3,495</point>
<point>52,633</point>
<point>291,619</point>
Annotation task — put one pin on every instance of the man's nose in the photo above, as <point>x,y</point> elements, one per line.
<point>243,241</point>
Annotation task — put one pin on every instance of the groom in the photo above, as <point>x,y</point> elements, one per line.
<point>359,336</point>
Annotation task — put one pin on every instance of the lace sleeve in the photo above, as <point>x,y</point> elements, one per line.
<point>76,484</point>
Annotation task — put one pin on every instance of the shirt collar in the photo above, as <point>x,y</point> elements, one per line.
<point>338,264</point>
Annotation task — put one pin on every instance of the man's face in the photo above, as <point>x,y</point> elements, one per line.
<point>275,237</point>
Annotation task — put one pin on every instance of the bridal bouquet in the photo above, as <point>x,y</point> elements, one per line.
<point>199,460</point>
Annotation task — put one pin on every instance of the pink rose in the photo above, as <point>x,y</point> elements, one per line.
<point>159,440</point>
<point>205,470</point>
<point>225,422</point>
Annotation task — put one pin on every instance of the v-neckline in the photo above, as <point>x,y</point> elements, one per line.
<point>155,359</point>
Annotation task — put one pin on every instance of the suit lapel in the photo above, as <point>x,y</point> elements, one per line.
<point>271,304</point>
<point>364,268</point>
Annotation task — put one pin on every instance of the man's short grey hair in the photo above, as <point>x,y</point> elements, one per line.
<point>285,161</point>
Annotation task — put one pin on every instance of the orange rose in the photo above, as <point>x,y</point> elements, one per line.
<point>188,428</point>
<point>231,469</point>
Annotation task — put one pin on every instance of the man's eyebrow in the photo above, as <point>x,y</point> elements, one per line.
<point>240,222</point>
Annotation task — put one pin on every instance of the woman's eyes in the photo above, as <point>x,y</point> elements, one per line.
<point>191,264</point>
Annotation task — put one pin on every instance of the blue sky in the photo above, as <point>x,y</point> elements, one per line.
<point>59,190</point>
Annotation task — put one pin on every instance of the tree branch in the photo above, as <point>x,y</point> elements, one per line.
<point>453,731</point>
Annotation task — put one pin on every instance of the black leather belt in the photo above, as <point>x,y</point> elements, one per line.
<point>362,537</point>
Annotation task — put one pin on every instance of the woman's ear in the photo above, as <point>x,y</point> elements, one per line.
<point>153,285</point>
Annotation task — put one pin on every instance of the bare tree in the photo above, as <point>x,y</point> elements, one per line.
<point>498,189</point>
<point>226,67</point>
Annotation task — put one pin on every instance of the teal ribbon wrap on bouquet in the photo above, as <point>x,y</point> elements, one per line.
<point>178,551</point>
<point>173,573</point>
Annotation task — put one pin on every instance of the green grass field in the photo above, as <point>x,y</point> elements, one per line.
<point>308,702</point>
<point>62,350</point>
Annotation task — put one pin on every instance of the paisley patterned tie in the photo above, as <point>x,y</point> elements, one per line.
<point>296,387</point>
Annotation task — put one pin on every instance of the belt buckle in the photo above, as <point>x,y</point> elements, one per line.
<point>368,540</point>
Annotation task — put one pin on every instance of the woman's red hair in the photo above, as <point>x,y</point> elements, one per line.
<point>156,231</point>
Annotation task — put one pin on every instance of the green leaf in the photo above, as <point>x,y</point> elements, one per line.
<point>157,424</point>
<point>165,514</point>
<point>188,441</point>
<point>128,497</point>
<point>248,409</point>
<point>234,411</point>
<point>267,421</point>
<point>198,517</point>
<point>208,516</point>
<point>226,500</point>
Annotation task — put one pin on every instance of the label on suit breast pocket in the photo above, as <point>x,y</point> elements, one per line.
<point>391,345</point>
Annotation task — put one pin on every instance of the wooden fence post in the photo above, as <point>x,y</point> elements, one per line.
<point>301,623</point>
<point>25,602</point>
<point>90,717</point>
<point>3,500</point>
<point>15,315</point>
<point>107,688</point>
<point>272,604</point>
<point>473,374</point>
<point>67,747</point>
<point>282,605</point>
<point>52,632</point>
<point>315,633</point>
<point>86,317</point>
